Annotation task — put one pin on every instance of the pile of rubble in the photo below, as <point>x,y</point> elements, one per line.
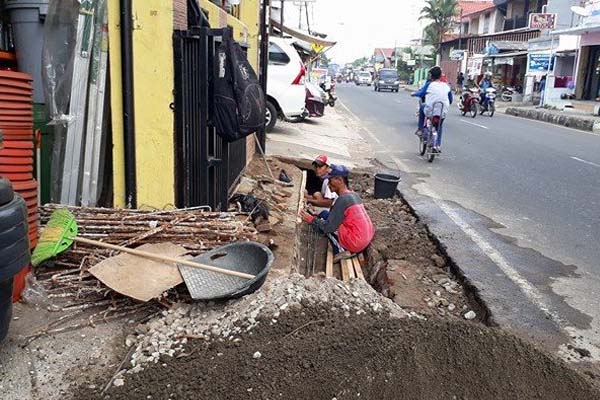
<point>169,334</point>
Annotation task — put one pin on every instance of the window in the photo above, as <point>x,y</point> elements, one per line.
<point>277,56</point>
<point>486,23</point>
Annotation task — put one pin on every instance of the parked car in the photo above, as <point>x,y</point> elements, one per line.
<point>364,78</point>
<point>286,92</point>
<point>387,79</point>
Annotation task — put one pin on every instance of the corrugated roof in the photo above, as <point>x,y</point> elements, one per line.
<point>470,8</point>
<point>387,53</point>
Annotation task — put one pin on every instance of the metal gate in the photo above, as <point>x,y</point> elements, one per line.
<point>206,168</point>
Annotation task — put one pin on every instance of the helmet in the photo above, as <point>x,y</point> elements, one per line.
<point>471,76</point>
<point>488,74</point>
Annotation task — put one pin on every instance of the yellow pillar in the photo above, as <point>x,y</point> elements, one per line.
<point>153,86</point>
<point>154,120</point>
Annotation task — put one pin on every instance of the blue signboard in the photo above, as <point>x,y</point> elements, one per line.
<point>540,62</point>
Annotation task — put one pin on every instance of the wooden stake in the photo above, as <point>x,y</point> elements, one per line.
<point>358,268</point>
<point>301,202</point>
<point>329,262</point>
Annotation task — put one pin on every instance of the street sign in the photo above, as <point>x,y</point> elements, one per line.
<point>542,21</point>
<point>540,62</point>
<point>457,55</point>
<point>406,57</point>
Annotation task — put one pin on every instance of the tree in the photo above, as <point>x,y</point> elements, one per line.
<point>360,62</point>
<point>441,13</point>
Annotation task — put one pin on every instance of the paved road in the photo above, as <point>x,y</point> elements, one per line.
<point>527,193</point>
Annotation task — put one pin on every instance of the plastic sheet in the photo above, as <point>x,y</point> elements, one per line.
<point>58,55</point>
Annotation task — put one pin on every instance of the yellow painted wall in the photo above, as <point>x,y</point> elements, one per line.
<point>154,120</point>
<point>153,85</point>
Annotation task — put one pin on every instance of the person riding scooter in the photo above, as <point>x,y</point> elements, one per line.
<point>485,83</point>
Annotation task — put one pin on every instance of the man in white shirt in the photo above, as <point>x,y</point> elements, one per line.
<point>437,101</point>
<point>324,199</point>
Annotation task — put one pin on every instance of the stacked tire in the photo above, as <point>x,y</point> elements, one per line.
<point>17,154</point>
<point>14,248</point>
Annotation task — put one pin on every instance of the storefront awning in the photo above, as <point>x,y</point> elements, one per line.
<point>303,36</point>
<point>507,58</point>
<point>578,30</point>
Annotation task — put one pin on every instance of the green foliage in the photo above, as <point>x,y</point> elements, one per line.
<point>441,13</point>
<point>360,62</point>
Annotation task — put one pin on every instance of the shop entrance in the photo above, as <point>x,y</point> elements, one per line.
<point>592,85</point>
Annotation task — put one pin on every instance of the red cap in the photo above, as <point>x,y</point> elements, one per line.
<point>321,160</point>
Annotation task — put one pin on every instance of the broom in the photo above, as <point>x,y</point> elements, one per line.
<point>61,231</point>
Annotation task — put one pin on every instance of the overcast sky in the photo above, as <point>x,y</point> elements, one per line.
<point>360,26</point>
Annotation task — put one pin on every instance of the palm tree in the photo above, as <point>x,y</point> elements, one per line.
<point>441,13</point>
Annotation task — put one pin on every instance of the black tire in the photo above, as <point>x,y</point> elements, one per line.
<point>473,110</point>
<point>6,288</point>
<point>12,214</point>
<point>422,147</point>
<point>13,234</point>
<point>492,108</point>
<point>431,157</point>
<point>6,192</point>
<point>271,116</point>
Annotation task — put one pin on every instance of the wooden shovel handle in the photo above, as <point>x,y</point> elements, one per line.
<point>158,257</point>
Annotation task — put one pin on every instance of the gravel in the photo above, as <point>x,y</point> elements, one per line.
<point>168,334</point>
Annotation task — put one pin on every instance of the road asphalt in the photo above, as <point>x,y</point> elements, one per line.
<point>520,201</point>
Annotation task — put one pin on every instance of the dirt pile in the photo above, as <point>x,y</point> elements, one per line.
<point>320,353</point>
<point>168,335</point>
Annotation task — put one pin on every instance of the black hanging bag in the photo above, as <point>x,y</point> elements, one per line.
<point>239,98</point>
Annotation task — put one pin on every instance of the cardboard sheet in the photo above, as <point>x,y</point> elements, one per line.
<point>141,278</point>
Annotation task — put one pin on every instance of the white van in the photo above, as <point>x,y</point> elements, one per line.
<point>286,92</point>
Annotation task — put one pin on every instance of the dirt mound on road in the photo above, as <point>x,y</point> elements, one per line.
<point>323,354</point>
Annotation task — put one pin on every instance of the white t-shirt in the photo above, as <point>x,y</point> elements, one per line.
<point>437,93</point>
<point>327,193</point>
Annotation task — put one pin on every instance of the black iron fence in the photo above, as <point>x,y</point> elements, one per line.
<point>206,167</point>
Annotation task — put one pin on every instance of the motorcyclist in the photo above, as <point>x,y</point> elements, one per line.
<point>421,94</point>
<point>438,92</point>
<point>485,84</point>
<point>470,84</point>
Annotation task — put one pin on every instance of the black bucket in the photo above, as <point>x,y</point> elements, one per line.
<point>6,287</point>
<point>385,185</point>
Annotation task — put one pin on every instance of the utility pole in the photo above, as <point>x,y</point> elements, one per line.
<point>282,13</point>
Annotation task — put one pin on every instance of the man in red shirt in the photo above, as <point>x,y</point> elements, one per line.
<point>348,226</point>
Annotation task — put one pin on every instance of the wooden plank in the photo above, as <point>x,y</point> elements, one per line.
<point>361,259</point>
<point>329,262</point>
<point>347,270</point>
<point>358,268</point>
<point>301,197</point>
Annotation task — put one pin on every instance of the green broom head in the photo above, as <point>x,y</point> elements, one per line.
<point>56,237</point>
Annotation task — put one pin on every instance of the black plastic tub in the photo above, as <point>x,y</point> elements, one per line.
<point>6,287</point>
<point>385,185</point>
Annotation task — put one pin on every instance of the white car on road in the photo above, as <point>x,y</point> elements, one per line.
<point>286,92</point>
<point>364,78</point>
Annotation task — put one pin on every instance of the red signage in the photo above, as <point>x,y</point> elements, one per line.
<point>542,21</point>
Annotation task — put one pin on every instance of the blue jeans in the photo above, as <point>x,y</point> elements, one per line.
<point>421,116</point>
<point>324,215</point>
<point>440,129</point>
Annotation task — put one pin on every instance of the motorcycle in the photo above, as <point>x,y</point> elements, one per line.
<point>508,92</point>
<point>489,102</point>
<point>469,102</point>
<point>331,97</point>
